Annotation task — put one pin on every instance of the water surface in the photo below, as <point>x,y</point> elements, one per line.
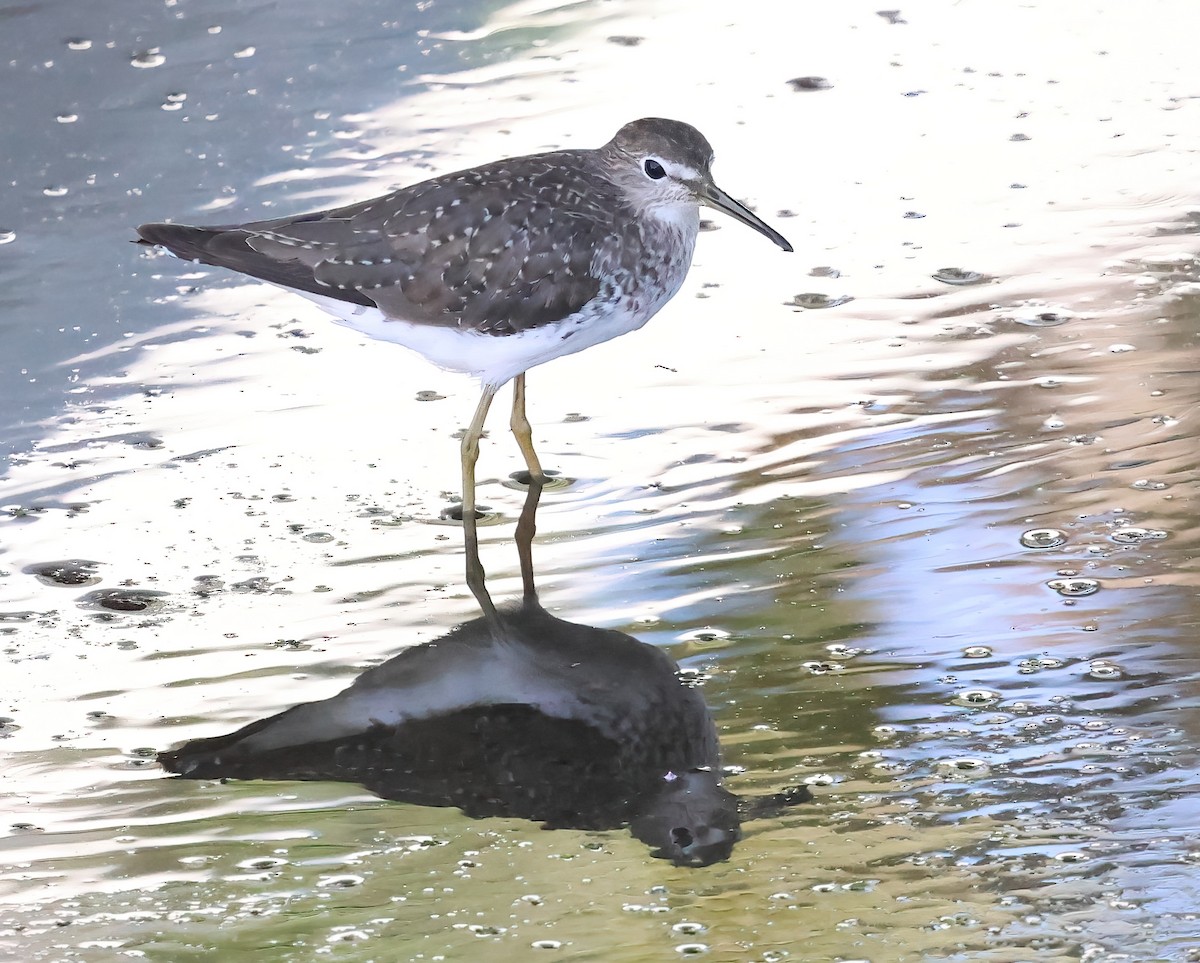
<point>930,548</point>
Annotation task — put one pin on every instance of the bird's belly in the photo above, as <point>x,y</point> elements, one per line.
<point>497,358</point>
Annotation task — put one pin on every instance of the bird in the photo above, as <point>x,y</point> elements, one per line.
<point>495,269</point>
<point>516,714</point>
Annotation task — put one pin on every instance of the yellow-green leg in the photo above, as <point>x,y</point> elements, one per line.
<point>470,454</point>
<point>523,432</point>
<point>526,529</point>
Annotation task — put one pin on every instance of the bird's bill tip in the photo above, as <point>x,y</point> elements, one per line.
<point>716,198</point>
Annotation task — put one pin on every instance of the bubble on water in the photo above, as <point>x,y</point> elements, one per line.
<point>482,929</point>
<point>809,83</point>
<point>66,118</point>
<point>691,949</point>
<point>340,881</point>
<point>260,863</point>
<point>820,779</point>
<point>244,53</point>
<point>319,538</point>
<point>687,928</point>
<point>976,697</point>
<point>347,934</point>
<point>69,572</point>
<point>1104,669</point>
<point>7,237</point>
<point>963,766</point>
<point>976,652</point>
<point>1074,587</point>
<point>958,276</point>
<point>1072,856</point>
<point>123,600</point>
<point>1029,666</point>
<point>1149,485</point>
<point>1035,316</point>
<point>1053,423</point>
<point>55,190</point>
<point>1120,348</point>
<point>1131,535</point>
<point>147,59</point>
<point>546,945</point>
<point>814,300</point>
<point>1043,538</point>
<point>79,44</point>
<point>705,636</point>
<point>822,668</point>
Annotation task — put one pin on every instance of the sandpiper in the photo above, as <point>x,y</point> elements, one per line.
<point>498,268</point>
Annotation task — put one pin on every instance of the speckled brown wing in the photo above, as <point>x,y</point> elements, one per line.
<point>489,249</point>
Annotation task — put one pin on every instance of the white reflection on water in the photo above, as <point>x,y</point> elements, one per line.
<point>837,495</point>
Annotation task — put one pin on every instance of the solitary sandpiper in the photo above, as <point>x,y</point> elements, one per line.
<point>496,268</point>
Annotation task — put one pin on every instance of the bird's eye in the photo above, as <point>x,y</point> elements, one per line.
<point>654,170</point>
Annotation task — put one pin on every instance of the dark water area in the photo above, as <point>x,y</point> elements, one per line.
<point>914,509</point>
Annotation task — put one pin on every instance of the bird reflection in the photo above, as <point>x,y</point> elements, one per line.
<point>515,714</point>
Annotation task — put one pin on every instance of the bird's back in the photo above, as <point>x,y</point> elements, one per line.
<point>498,249</point>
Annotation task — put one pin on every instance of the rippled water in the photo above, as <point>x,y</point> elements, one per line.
<point>916,505</point>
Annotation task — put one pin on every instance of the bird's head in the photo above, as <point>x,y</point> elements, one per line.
<point>667,163</point>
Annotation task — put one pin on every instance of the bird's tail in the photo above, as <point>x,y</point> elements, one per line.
<point>217,757</point>
<point>189,243</point>
<point>237,247</point>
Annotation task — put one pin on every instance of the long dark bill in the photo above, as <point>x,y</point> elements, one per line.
<point>714,197</point>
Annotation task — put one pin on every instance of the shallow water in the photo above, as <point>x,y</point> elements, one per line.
<point>932,550</point>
